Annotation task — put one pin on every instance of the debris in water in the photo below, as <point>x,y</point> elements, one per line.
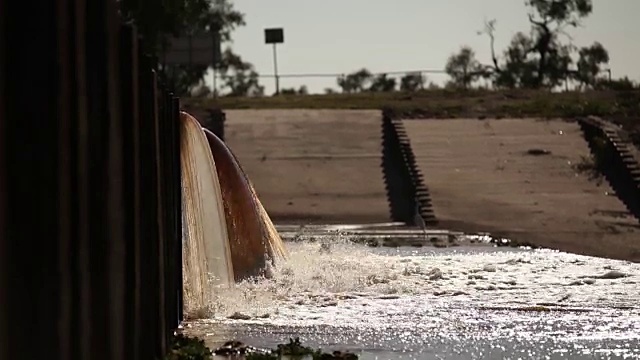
<point>565,298</point>
<point>435,274</point>
<point>613,274</point>
<point>489,268</point>
<point>239,316</point>
<point>458,293</point>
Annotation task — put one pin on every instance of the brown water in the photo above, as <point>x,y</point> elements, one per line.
<point>206,253</point>
<point>227,234</point>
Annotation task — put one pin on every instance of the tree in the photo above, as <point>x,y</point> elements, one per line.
<point>382,83</point>
<point>589,64</point>
<point>412,82</point>
<point>239,76</point>
<point>302,90</point>
<point>518,70</point>
<point>355,82</point>
<point>156,21</point>
<point>622,84</point>
<point>463,68</point>
<point>540,59</point>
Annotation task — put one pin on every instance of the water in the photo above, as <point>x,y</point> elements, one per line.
<point>455,303</point>
<point>227,234</point>
<point>206,257</point>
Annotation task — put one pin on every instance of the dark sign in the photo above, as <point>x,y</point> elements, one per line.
<point>274,36</point>
<point>197,49</point>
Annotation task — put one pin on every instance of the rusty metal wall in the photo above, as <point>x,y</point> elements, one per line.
<point>90,217</point>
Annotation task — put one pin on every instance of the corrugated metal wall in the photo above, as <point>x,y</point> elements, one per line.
<point>90,218</point>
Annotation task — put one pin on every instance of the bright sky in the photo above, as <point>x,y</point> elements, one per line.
<point>339,36</point>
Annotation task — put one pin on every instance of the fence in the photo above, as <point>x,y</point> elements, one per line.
<point>90,218</point>
<point>320,83</point>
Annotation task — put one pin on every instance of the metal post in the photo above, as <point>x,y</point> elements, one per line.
<point>275,69</point>
<point>215,87</point>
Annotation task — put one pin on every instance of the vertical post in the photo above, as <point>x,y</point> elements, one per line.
<point>215,86</point>
<point>217,53</point>
<point>275,68</point>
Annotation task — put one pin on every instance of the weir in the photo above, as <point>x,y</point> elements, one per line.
<point>227,234</point>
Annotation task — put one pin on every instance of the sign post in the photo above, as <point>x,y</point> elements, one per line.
<point>275,36</point>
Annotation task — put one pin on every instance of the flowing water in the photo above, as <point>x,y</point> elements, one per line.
<point>387,303</point>
<point>206,256</point>
<point>227,234</point>
<point>427,303</point>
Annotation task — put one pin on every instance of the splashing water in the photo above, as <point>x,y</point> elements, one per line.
<point>206,253</point>
<point>388,303</point>
<point>252,236</point>
<point>459,302</point>
<point>227,234</point>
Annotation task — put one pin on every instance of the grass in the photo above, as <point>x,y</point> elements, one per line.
<point>449,103</point>
<point>622,107</point>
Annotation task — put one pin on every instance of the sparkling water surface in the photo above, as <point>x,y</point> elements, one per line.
<point>427,303</point>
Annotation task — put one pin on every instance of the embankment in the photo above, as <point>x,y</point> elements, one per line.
<point>518,178</point>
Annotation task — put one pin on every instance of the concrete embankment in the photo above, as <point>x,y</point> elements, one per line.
<point>517,178</point>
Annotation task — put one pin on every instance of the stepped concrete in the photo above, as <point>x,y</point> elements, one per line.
<point>481,178</point>
<point>317,166</point>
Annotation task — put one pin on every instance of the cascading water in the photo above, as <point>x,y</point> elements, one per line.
<point>228,235</point>
<point>252,237</point>
<point>206,254</point>
<point>386,303</point>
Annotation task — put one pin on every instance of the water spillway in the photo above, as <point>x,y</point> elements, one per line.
<point>253,239</point>
<point>227,234</point>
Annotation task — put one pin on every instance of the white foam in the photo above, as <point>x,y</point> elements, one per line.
<point>351,285</point>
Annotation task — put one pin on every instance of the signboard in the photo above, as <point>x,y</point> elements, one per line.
<point>274,36</point>
<point>197,49</point>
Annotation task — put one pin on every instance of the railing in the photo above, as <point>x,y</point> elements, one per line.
<point>90,224</point>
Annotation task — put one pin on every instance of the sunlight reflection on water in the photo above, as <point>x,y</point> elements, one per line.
<point>426,303</point>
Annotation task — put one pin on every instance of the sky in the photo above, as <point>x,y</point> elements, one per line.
<point>341,36</point>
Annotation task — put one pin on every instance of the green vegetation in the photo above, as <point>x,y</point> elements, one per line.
<point>158,21</point>
<point>191,348</point>
<point>447,103</point>
<point>542,58</point>
<point>188,348</point>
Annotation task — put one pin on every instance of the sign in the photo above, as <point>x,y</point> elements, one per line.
<point>197,49</point>
<point>274,36</point>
